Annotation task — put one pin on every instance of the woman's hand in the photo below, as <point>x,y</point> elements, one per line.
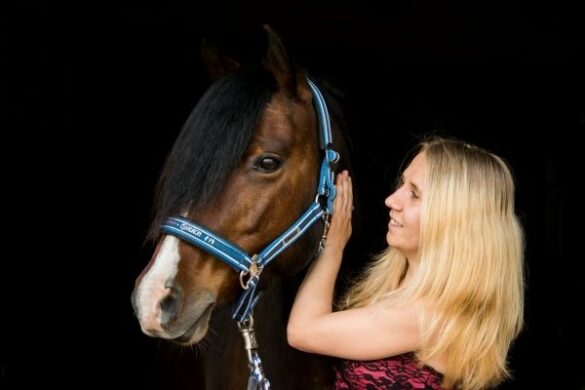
<point>340,229</point>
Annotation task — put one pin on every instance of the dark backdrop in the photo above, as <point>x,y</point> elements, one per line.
<point>99,93</point>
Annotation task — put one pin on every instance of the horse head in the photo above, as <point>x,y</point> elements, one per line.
<point>245,166</point>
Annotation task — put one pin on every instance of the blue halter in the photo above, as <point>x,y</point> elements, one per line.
<point>252,266</point>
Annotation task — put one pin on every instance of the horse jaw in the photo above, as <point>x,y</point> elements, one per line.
<point>155,294</point>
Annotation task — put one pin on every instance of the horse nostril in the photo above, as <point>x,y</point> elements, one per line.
<point>169,306</point>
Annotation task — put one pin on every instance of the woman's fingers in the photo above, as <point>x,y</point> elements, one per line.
<point>344,200</point>
<point>340,228</point>
<point>346,194</point>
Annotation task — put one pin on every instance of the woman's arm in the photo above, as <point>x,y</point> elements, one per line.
<point>364,333</point>
<point>315,295</point>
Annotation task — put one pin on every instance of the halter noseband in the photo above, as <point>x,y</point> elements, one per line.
<point>252,266</point>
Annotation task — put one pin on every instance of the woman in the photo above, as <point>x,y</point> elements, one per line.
<point>441,305</point>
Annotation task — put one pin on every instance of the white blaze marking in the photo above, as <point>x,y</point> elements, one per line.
<point>152,287</point>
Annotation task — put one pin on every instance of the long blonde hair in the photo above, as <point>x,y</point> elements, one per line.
<point>470,273</point>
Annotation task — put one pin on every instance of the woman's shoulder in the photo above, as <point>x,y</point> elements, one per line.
<point>409,315</point>
<point>396,309</point>
<point>397,326</point>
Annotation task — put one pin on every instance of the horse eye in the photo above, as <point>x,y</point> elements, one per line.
<point>268,164</point>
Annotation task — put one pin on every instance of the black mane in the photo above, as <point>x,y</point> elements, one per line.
<point>212,142</point>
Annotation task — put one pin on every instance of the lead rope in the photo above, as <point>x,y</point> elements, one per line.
<point>257,379</point>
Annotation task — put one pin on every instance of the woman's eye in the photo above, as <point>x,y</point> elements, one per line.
<point>268,164</point>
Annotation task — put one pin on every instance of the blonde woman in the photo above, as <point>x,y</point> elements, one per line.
<point>440,307</point>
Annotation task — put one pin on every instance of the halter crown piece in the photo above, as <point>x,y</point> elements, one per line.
<point>251,267</point>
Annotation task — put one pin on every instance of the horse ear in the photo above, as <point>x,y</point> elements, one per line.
<point>278,62</point>
<point>216,66</point>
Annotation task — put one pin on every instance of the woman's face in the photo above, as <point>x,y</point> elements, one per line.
<point>404,204</point>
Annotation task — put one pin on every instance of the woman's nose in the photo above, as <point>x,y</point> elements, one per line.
<point>391,201</point>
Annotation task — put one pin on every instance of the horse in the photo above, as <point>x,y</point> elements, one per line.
<point>245,166</point>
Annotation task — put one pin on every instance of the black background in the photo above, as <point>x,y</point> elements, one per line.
<point>98,93</point>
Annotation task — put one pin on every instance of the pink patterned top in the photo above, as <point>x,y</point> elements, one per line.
<point>401,372</point>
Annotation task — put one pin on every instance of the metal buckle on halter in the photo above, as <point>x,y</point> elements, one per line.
<point>320,198</point>
<point>254,270</point>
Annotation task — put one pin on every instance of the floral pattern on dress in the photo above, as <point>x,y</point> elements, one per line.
<point>401,372</point>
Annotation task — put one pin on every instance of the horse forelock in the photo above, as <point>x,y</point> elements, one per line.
<point>212,142</point>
